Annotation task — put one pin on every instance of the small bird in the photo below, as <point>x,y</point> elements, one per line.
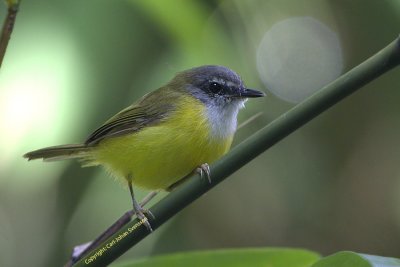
<point>179,128</point>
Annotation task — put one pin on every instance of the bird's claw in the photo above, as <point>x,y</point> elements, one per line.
<point>204,170</point>
<point>149,213</point>
<point>140,213</point>
<point>144,220</point>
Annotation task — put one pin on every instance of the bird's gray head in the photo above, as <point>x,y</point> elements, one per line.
<point>222,92</point>
<point>216,86</point>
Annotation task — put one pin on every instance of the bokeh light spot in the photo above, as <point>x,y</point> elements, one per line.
<point>298,56</point>
<point>38,87</point>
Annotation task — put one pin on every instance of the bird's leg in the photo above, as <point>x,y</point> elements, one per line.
<point>139,211</point>
<point>83,249</point>
<point>203,170</point>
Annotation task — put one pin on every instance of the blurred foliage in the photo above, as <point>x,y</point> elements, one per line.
<point>352,259</point>
<point>271,257</point>
<point>333,185</point>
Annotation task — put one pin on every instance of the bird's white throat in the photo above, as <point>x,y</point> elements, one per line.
<point>223,118</point>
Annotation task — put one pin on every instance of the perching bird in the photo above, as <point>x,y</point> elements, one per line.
<point>154,143</point>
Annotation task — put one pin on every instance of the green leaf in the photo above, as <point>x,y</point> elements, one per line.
<point>263,257</point>
<point>353,259</point>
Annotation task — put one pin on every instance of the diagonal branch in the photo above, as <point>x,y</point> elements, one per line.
<point>8,26</point>
<point>134,231</point>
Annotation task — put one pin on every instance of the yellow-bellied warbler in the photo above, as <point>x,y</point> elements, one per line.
<point>167,134</point>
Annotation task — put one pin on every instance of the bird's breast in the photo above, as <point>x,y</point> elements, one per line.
<point>160,155</point>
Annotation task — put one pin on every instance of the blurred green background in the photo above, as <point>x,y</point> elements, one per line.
<point>332,185</point>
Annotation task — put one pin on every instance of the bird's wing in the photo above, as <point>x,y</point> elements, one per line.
<point>133,118</point>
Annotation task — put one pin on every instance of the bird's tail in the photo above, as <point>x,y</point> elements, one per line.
<point>53,153</point>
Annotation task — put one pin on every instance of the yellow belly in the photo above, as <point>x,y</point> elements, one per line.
<point>158,156</point>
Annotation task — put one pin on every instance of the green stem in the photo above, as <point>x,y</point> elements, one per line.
<point>133,232</point>
<point>8,27</point>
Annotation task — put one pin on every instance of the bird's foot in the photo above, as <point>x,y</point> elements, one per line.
<point>204,171</point>
<point>140,213</point>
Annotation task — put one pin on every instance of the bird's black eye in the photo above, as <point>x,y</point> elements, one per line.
<point>215,88</point>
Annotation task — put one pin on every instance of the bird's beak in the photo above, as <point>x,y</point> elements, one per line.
<point>251,93</point>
